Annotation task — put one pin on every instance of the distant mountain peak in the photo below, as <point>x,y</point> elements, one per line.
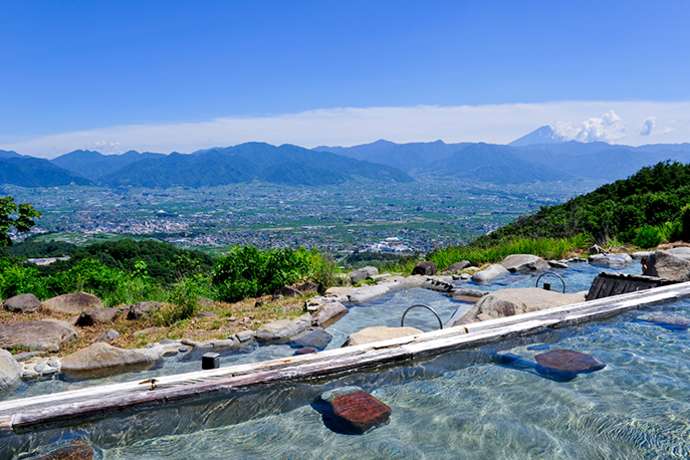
<point>546,134</point>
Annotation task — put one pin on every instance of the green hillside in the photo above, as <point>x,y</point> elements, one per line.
<point>654,197</point>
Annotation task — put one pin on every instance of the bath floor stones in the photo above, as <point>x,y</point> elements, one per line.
<point>351,410</point>
<point>564,365</point>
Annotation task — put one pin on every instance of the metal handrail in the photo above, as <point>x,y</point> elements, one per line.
<point>421,305</point>
<point>552,274</point>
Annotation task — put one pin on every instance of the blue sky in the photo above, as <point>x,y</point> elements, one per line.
<point>78,65</point>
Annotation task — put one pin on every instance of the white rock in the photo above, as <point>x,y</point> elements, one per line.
<point>490,273</point>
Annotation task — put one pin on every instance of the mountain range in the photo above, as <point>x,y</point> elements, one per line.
<point>542,155</point>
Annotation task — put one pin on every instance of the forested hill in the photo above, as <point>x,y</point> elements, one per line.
<point>649,203</point>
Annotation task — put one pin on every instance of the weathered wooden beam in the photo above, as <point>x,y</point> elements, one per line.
<point>100,400</point>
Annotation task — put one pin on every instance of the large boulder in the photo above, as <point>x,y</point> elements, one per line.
<point>282,330</point>
<point>508,302</point>
<point>101,359</point>
<point>490,273</point>
<point>610,260</point>
<point>44,335</point>
<point>520,263</point>
<point>377,333</point>
<point>329,313</point>
<point>362,274</point>
<point>72,304</point>
<point>23,303</point>
<point>424,268</point>
<point>671,264</point>
<point>10,371</point>
<point>96,316</point>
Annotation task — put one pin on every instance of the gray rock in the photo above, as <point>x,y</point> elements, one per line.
<point>71,304</point>
<point>315,338</point>
<point>468,295</point>
<point>521,263</point>
<point>610,260</point>
<point>44,335</point>
<point>245,336</point>
<point>490,273</point>
<point>101,359</point>
<point>508,302</point>
<point>558,264</point>
<point>457,267</point>
<point>108,336</point>
<point>74,450</point>
<point>378,333</point>
<point>282,330</point>
<point>142,309</point>
<point>10,371</point>
<point>362,274</point>
<point>439,285</point>
<point>424,268</point>
<point>329,313</point>
<point>639,255</point>
<point>672,264</point>
<point>23,303</point>
<point>96,316</point>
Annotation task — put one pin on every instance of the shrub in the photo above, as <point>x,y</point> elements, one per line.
<point>184,302</point>
<point>685,223</point>
<point>18,279</point>
<point>648,236</point>
<point>246,271</point>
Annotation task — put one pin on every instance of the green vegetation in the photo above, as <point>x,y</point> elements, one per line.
<point>247,271</point>
<point>13,216</point>
<point>654,196</point>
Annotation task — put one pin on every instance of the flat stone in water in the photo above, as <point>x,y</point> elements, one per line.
<point>305,351</point>
<point>566,364</point>
<point>351,410</point>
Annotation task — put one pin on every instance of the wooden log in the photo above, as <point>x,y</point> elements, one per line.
<point>98,401</point>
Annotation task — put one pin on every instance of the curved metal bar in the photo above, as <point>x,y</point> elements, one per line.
<point>552,274</point>
<point>421,305</point>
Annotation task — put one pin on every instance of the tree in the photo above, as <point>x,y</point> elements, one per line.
<point>19,217</point>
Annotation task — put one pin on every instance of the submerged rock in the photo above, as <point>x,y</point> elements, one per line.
<point>74,450</point>
<point>10,371</point>
<point>610,260</point>
<point>351,410</point>
<point>424,268</point>
<point>316,338</point>
<point>377,333</point>
<point>667,321</point>
<point>23,303</point>
<point>564,365</point>
<point>70,304</point>
<point>362,274</point>
<point>282,330</point>
<point>490,273</point>
<point>672,264</point>
<point>305,351</point>
<point>519,263</point>
<point>101,359</point>
<point>508,302</point>
<point>44,335</point>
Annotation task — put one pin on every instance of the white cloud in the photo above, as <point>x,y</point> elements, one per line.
<point>499,123</point>
<point>648,126</point>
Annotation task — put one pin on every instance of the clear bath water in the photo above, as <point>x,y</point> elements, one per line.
<point>457,405</point>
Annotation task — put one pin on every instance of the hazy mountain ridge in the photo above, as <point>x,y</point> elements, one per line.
<point>93,165</point>
<point>36,172</point>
